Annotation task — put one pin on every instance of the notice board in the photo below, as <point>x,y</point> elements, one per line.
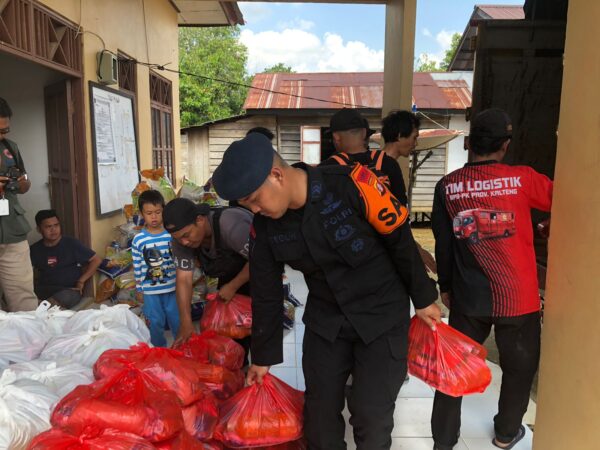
<point>114,140</point>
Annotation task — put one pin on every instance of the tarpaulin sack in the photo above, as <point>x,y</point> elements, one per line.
<point>57,439</point>
<point>118,314</point>
<point>211,348</point>
<point>25,407</point>
<point>261,415</point>
<point>446,359</point>
<point>170,368</point>
<point>232,319</point>
<point>23,335</point>
<point>183,441</point>
<point>60,378</point>
<point>129,401</point>
<point>85,347</point>
<point>200,418</point>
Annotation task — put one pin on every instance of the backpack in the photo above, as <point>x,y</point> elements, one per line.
<point>374,165</point>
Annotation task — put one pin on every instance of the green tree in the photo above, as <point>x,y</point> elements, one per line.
<point>212,53</point>
<point>426,64</point>
<point>445,64</point>
<point>279,68</point>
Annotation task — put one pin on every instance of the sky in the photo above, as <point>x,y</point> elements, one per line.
<point>317,37</point>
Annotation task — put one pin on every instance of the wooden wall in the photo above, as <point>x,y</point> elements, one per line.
<point>221,135</point>
<point>206,146</point>
<point>430,172</point>
<point>288,129</point>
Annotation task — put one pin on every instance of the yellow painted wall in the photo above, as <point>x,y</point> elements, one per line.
<point>568,413</point>
<point>122,26</point>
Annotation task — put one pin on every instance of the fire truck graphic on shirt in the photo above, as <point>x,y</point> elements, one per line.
<point>484,237</point>
<point>477,224</point>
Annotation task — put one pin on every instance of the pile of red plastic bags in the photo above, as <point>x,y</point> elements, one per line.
<point>187,398</point>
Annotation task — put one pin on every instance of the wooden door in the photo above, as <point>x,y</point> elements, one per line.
<point>62,180</point>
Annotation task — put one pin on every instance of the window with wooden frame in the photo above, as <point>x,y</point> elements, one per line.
<point>161,102</point>
<point>310,144</point>
<point>127,73</point>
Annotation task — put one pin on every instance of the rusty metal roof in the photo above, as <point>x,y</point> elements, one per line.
<point>360,90</point>
<point>507,12</point>
<point>465,55</point>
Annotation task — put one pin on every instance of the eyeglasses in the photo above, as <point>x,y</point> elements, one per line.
<point>4,130</point>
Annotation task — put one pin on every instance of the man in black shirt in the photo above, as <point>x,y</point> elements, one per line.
<point>349,236</point>
<point>214,239</point>
<point>62,263</point>
<point>350,132</point>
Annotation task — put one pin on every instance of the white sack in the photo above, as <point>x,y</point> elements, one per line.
<point>22,337</point>
<point>54,316</point>
<point>85,347</point>
<point>25,408</point>
<point>118,314</point>
<point>60,378</point>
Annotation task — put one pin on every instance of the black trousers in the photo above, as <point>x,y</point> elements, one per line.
<point>378,371</point>
<point>518,341</point>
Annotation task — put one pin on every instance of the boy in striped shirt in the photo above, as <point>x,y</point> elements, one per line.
<point>154,269</point>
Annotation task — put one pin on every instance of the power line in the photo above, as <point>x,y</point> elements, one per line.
<point>163,67</point>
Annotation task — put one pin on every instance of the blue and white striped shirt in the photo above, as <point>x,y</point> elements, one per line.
<point>153,262</point>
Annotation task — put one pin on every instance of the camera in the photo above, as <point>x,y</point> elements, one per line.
<point>13,173</point>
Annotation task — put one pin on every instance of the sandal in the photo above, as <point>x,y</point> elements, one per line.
<point>520,435</point>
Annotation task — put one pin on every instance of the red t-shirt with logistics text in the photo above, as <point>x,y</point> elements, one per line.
<point>484,237</point>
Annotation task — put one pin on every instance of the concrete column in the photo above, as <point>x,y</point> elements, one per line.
<point>568,412</point>
<point>400,22</point>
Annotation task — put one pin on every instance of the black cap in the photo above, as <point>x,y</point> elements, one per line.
<point>181,212</point>
<point>348,119</point>
<point>492,123</point>
<point>245,167</point>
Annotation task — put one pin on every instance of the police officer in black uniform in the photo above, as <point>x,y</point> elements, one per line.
<point>350,237</point>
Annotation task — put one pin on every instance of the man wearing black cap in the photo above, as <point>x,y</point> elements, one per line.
<point>218,240</point>
<point>487,269</point>
<point>344,230</point>
<point>350,131</point>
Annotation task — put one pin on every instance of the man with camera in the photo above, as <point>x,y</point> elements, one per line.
<point>16,273</point>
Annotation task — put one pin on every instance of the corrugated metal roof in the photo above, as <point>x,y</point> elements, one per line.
<point>508,12</point>
<point>464,57</point>
<point>200,13</point>
<point>363,89</point>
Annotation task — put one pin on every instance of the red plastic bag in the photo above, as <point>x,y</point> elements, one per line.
<point>56,439</point>
<point>261,415</point>
<point>447,359</point>
<point>232,319</point>
<point>173,370</point>
<point>169,367</point>
<point>200,418</point>
<point>130,401</point>
<point>211,348</point>
<point>300,444</point>
<point>183,441</point>
<point>222,382</point>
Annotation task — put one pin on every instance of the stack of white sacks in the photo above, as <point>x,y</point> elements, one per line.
<point>44,354</point>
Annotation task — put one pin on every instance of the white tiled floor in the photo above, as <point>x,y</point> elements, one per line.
<point>413,408</point>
